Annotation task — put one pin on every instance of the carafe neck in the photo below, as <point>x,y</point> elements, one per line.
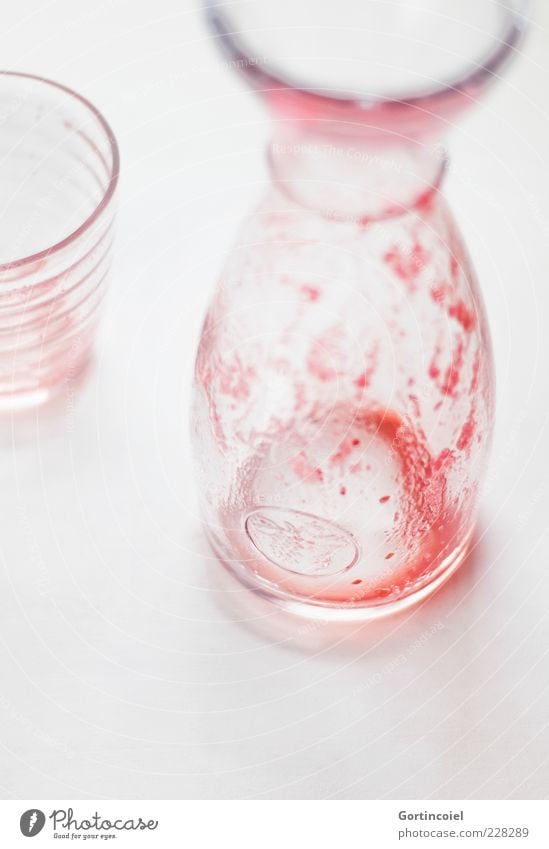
<point>351,176</point>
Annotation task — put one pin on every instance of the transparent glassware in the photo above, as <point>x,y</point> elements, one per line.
<point>344,385</point>
<point>58,171</point>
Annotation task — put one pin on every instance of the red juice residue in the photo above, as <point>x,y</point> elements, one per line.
<point>454,268</point>
<point>464,315</point>
<point>235,378</point>
<point>421,532</point>
<point>414,404</point>
<point>364,379</point>
<point>407,265</point>
<point>473,386</point>
<point>305,470</point>
<point>437,293</point>
<point>344,450</point>
<point>453,372</point>
<point>434,367</point>
<point>448,379</point>
<point>467,432</point>
<point>326,358</point>
<point>311,293</point>
<point>444,459</point>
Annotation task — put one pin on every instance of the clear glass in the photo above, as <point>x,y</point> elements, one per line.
<point>344,400</point>
<point>58,171</point>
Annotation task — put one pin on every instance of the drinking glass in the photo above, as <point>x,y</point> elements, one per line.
<point>58,171</point>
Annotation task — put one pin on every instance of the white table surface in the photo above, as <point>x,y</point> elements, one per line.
<point>131,665</point>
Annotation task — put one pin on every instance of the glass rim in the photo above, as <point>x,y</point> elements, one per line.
<point>271,77</point>
<point>108,193</point>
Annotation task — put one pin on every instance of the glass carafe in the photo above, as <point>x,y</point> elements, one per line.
<point>343,400</point>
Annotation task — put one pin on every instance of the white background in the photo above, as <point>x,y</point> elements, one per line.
<point>131,665</point>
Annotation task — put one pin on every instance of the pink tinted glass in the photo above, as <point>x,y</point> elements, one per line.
<point>58,171</point>
<point>344,387</point>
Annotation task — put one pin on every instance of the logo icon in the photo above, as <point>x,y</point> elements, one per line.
<point>32,822</point>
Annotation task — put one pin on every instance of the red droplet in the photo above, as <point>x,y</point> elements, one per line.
<point>467,433</point>
<point>343,451</point>
<point>444,458</point>
<point>343,490</point>
<point>311,292</point>
<point>388,556</point>
<point>384,499</point>
<point>453,372</point>
<point>437,293</point>
<point>465,316</point>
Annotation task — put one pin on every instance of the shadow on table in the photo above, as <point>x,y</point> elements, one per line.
<point>313,636</point>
